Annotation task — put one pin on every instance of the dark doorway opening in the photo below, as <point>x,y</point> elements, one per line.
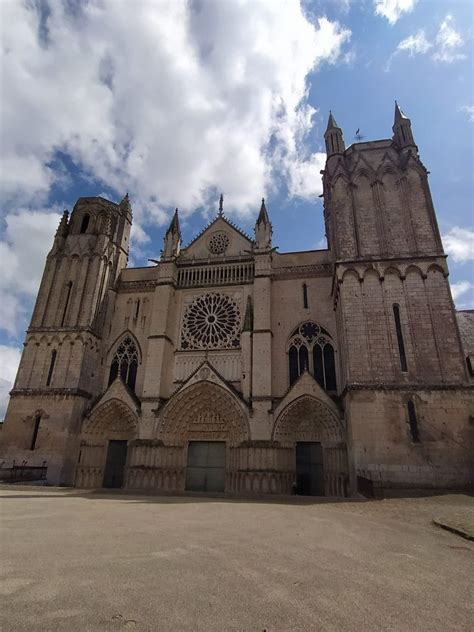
<point>309,469</point>
<point>115,464</point>
<point>205,470</point>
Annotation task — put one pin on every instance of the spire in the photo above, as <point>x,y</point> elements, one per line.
<point>402,133</point>
<point>263,215</point>
<point>174,228</point>
<point>263,230</point>
<point>333,137</point>
<point>172,241</point>
<point>221,205</point>
<point>125,204</point>
<point>399,115</point>
<point>331,122</point>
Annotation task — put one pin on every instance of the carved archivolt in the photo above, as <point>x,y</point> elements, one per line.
<point>203,411</point>
<point>308,419</point>
<point>112,420</point>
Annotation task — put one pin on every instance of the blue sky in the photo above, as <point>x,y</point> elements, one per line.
<point>175,102</point>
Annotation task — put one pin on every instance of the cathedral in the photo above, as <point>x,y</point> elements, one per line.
<point>228,366</point>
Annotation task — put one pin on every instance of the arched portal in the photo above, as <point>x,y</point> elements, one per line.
<point>203,411</point>
<point>206,421</point>
<point>318,437</point>
<point>105,437</point>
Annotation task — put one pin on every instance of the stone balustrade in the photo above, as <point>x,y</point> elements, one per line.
<point>216,274</point>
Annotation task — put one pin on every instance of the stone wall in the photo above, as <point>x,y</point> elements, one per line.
<point>383,447</point>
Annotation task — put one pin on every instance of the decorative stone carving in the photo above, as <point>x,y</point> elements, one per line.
<point>226,362</point>
<point>218,243</point>
<point>308,419</point>
<point>211,321</point>
<point>204,411</point>
<point>204,373</point>
<point>111,420</point>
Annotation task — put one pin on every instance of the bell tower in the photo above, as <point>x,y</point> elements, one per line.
<point>60,366</point>
<point>395,316</point>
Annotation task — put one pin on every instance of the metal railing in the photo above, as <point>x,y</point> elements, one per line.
<point>23,472</point>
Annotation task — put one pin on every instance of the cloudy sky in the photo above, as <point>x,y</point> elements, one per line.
<point>175,101</point>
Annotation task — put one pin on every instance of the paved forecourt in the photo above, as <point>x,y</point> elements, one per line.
<point>85,561</point>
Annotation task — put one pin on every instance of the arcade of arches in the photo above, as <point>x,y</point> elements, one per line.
<point>202,442</point>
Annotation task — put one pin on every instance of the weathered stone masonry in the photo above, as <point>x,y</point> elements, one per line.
<point>230,366</point>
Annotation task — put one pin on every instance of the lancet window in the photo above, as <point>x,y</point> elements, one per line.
<point>311,349</point>
<point>125,363</point>
<point>85,223</point>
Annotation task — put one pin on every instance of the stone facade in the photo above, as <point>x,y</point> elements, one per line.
<point>231,366</point>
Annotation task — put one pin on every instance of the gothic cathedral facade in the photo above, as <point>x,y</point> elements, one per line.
<point>228,366</point>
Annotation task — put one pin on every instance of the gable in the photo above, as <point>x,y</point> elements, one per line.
<point>221,239</point>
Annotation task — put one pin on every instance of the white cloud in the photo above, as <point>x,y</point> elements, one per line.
<point>166,100</point>
<point>28,238</point>
<point>459,291</point>
<point>448,42</point>
<point>445,47</point>
<point>393,9</point>
<point>415,44</point>
<point>459,244</point>
<point>304,180</point>
<point>469,109</point>
<point>9,361</point>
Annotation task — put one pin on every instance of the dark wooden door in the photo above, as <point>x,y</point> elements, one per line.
<point>205,470</point>
<point>309,469</point>
<point>115,464</point>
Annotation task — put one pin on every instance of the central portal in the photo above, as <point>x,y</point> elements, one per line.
<point>205,470</point>
<point>115,464</point>
<point>309,469</point>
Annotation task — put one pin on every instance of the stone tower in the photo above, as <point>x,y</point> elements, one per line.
<point>60,364</point>
<point>401,352</point>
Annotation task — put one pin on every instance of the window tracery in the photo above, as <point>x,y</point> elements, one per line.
<point>211,321</point>
<point>125,363</point>
<point>311,349</point>
<point>218,243</point>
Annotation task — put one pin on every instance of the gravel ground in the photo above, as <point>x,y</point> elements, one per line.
<point>79,561</point>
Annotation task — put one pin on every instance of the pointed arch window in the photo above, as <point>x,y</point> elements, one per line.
<point>125,363</point>
<point>312,349</point>
<point>85,223</point>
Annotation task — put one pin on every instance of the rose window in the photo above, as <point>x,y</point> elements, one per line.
<point>212,321</point>
<point>218,243</point>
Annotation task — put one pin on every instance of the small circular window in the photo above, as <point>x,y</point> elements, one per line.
<point>218,243</point>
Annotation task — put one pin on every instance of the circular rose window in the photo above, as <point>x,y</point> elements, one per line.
<point>211,321</point>
<point>218,243</point>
